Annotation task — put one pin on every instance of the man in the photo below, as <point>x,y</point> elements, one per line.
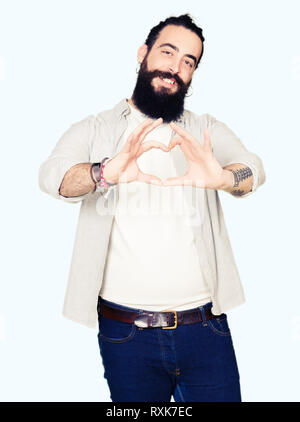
<point>158,283</point>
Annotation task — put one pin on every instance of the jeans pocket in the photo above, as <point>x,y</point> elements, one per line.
<point>219,325</point>
<point>115,331</point>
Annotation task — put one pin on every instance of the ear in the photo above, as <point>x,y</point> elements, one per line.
<point>142,51</point>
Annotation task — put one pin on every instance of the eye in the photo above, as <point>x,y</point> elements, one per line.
<point>188,63</point>
<point>166,52</point>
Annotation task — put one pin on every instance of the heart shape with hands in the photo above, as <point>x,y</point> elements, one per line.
<point>203,168</point>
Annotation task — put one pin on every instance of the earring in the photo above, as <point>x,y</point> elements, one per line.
<point>188,92</point>
<point>138,66</point>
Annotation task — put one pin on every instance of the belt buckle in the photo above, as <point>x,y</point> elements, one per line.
<point>175,320</point>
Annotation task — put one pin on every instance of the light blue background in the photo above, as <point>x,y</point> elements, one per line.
<point>61,61</point>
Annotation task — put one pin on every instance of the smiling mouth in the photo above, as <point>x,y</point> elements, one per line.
<point>168,82</point>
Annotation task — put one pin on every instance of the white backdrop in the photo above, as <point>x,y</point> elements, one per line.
<point>61,61</point>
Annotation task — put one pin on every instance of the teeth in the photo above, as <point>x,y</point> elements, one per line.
<point>169,81</point>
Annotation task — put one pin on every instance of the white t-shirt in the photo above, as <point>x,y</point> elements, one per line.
<point>152,262</point>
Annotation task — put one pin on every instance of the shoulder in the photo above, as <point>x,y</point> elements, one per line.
<point>80,127</point>
<point>104,116</point>
<point>94,125</point>
<point>93,122</point>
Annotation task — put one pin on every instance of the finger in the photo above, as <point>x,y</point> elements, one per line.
<point>146,146</point>
<point>186,147</point>
<point>207,142</point>
<point>174,141</point>
<point>148,178</point>
<point>182,132</point>
<point>147,130</point>
<point>142,126</point>
<point>136,133</point>
<point>185,135</point>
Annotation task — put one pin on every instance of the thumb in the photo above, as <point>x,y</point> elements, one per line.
<point>148,178</point>
<point>173,181</point>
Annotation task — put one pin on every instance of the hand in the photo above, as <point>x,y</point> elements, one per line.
<point>203,169</point>
<point>123,167</point>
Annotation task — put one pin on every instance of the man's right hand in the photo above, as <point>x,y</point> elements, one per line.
<point>123,167</point>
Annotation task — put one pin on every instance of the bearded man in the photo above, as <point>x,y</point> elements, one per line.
<point>157,274</point>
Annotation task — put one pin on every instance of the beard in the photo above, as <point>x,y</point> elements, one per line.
<point>160,103</point>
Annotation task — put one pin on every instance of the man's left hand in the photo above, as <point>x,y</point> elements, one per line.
<point>203,169</point>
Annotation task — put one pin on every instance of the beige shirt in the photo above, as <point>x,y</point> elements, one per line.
<point>152,261</point>
<point>95,137</point>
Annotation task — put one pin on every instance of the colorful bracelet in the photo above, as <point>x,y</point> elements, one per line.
<point>104,183</point>
<point>97,174</point>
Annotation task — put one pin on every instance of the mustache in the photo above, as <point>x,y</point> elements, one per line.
<point>167,75</point>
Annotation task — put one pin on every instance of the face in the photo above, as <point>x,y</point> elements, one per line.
<point>166,73</point>
<point>176,50</point>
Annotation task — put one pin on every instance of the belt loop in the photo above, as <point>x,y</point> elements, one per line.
<point>202,310</point>
<point>140,311</point>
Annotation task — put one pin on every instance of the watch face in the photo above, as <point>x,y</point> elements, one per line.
<point>96,172</point>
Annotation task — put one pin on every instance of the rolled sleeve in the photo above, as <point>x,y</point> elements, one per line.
<point>228,149</point>
<point>72,148</point>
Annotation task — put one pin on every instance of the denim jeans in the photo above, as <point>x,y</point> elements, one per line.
<point>193,362</point>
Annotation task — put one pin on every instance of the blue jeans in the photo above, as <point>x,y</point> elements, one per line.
<point>193,362</point>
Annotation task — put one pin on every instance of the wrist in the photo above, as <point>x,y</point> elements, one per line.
<point>107,175</point>
<point>97,176</point>
<point>229,181</point>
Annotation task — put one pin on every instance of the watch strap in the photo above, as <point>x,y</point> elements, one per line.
<point>96,170</point>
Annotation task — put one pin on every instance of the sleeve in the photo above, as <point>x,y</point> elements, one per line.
<point>228,149</point>
<point>72,148</point>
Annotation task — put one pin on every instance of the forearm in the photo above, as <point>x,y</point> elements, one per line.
<point>245,182</point>
<point>77,181</point>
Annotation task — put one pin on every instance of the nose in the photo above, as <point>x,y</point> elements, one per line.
<point>173,69</point>
<point>174,66</point>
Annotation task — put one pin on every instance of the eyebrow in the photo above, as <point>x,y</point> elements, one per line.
<point>166,44</point>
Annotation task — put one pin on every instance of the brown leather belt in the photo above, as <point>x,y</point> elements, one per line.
<point>167,319</point>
